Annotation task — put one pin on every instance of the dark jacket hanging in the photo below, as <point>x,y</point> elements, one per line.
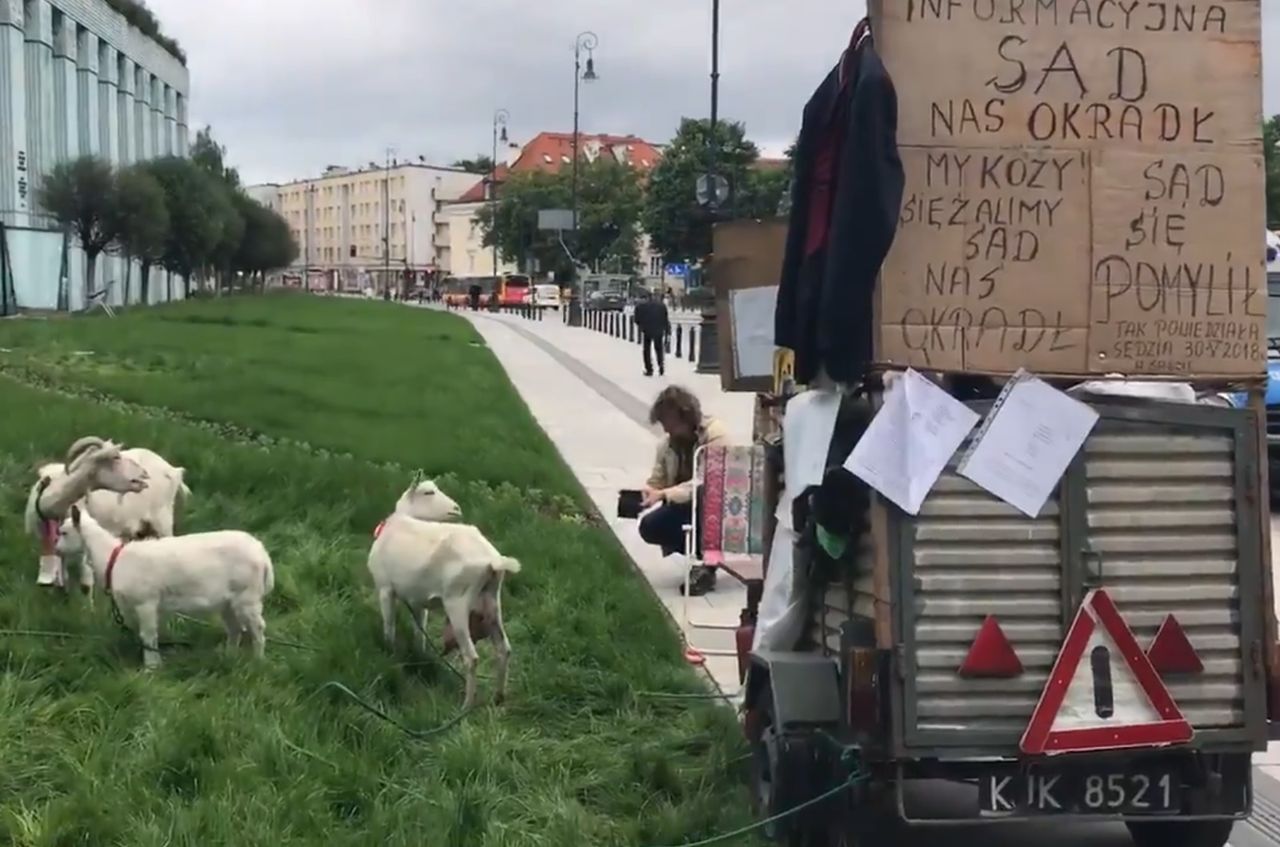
<point>846,198</point>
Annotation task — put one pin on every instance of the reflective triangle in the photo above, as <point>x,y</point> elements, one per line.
<point>991,655</point>
<point>1171,651</point>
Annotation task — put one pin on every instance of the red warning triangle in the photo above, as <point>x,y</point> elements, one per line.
<point>1115,700</point>
<point>991,656</point>
<point>1171,651</point>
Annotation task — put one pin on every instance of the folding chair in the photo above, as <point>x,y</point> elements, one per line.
<point>728,502</point>
<point>101,299</point>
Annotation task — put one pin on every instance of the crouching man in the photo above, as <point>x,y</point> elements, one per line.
<point>670,486</point>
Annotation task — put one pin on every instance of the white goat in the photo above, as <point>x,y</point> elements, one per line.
<point>228,572</point>
<point>419,559</point>
<point>100,466</point>
<point>135,515</point>
<point>425,501</point>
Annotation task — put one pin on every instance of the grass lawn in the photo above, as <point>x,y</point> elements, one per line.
<point>300,420</point>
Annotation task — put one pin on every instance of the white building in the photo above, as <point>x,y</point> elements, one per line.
<point>354,226</point>
<point>76,78</point>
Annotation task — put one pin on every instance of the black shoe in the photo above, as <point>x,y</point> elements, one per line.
<point>702,580</point>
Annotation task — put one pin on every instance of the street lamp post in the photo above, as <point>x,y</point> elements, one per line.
<point>585,41</point>
<point>708,338</point>
<point>386,228</point>
<point>500,118</point>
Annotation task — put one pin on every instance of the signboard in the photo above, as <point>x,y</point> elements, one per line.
<point>679,269</point>
<point>1083,185</point>
<point>746,267</point>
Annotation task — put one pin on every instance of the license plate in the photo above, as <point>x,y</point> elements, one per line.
<point>1079,792</point>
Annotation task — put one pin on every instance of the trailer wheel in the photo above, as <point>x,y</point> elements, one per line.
<point>832,824</point>
<point>1180,833</point>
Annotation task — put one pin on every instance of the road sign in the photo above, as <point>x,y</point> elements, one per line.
<point>1114,700</point>
<point>555,219</point>
<point>680,269</point>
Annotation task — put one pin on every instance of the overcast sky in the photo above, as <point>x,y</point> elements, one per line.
<point>292,85</point>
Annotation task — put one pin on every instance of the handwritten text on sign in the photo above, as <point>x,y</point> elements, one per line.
<point>1084,186</point>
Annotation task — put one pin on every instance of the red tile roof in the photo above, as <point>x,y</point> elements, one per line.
<point>550,151</point>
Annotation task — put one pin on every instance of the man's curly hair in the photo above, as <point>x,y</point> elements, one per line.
<point>678,403</point>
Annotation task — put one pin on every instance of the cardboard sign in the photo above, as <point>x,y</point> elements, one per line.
<point>1084,182</point>
<point>746,267</point>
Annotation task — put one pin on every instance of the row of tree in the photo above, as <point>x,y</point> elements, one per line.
<point>187,216</point>
<point>617,204</point>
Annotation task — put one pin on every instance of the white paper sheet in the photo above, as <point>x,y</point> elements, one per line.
<point>1027,444</point>
<point>917,430</point>
<point>807,427</point>
<point>753,310</point>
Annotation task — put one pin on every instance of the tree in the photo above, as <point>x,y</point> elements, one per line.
<point>1271,154</point>
<point>679,228</point>
<point>79,194</point>
<point>266,244</point>
<point>231,228</point>
<point>139,224</point>
<point>512,223</point>
<point>210,156</point>
<point>481,164</point>
<point>194,200</point>
<point>610,199</point>
<point>764,191</point>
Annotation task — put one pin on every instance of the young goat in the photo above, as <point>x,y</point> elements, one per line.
<point>228,572</point>
<point>100,466</point>
<point>418,558</point>
<point>151,513</point>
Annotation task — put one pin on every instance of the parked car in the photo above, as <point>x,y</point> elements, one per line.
<point>547,296</point>
<point>609,301</point>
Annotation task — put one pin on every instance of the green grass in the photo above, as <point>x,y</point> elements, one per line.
<point>298,420</point>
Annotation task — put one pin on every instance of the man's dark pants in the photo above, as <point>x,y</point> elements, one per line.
<point>664,527</point>
<point>656,342</point>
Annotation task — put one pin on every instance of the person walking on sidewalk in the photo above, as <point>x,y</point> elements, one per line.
<point>654,322</point>
<point>670,485</point>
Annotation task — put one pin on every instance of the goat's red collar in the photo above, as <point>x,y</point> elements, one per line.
<point>111,562</point>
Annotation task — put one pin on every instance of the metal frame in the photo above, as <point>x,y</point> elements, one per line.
<point>908,740</point>
<point>690,547</point>
<point>101,299</point>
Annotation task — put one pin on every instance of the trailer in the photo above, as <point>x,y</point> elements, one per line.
<point>942,646</point>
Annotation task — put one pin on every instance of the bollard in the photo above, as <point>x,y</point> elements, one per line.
<point>679,339</point>
<point>692,350</point>
<point>666,342</point>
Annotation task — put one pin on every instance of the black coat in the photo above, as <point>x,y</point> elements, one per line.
<point>652,319</point>
<point>826,301</point>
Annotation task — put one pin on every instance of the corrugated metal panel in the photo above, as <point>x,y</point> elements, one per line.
<point>974,556</point>
<point>1160,513</point>
<point>1162,518</point>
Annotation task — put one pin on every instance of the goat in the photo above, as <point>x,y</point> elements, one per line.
<point>228,572</point>
<point>99,466</point>
<point>422,561</point>
<point>151,513</point>
<point>425,501</point>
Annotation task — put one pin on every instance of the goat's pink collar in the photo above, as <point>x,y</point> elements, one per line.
<point>111,562</point>
<point>377,530</point>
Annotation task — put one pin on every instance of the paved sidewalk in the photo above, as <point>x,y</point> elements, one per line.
<point>589,393</point>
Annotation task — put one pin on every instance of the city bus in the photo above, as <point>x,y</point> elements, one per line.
<point>515,289</point>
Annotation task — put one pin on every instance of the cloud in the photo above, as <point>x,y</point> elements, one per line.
<point>292,85</point>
